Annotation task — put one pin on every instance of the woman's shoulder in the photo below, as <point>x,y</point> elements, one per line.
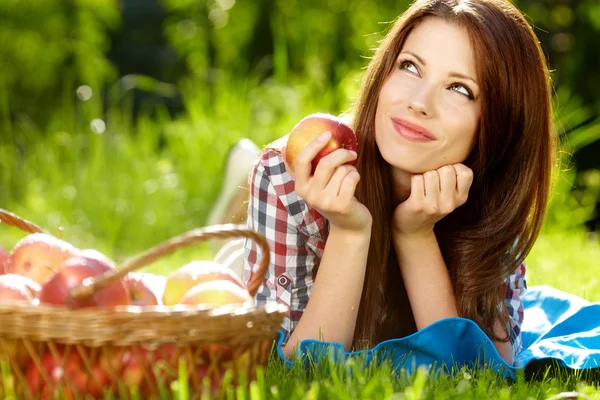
<point>271,163</point>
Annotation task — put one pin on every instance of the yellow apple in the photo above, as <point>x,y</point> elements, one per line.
<point>192,274</point>
<point>216,294</point>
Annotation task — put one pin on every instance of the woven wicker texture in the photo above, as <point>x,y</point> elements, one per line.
<point>104,343</point>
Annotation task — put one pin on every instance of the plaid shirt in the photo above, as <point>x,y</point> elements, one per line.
<point>297,233</point>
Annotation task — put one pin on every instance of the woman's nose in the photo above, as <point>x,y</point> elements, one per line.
<point>420,102</point>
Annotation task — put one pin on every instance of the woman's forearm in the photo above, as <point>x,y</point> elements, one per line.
<point>332,309</point>
<point>426,279</point>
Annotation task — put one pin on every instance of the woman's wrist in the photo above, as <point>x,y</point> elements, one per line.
<point>359,234</point>
<point>409,244</point>
<point>408,237</point>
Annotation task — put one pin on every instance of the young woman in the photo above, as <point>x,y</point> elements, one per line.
<point>447,196</point>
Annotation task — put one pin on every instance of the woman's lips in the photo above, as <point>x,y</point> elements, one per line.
<point>411,132</point>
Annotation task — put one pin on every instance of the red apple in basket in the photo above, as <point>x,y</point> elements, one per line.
<point>21,282</point>
<point>38,255</point>
<point>138,364</point>
<point>216,293</point>
<point>140,291</point>
<point>94,256</point>
<point>57,288</point>
<point>70,372</point>
<point>133,371</point>
<point>312,126</point>
<point>13,290</point>
<point>3,259</point>
<point>194,273</point>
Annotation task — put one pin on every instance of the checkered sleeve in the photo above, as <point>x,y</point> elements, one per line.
<point>515,287</point>
<point>277,213</point>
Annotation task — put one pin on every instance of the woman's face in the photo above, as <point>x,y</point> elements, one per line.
<point>429,106</point>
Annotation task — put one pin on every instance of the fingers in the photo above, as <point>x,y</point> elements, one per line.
<point>447,180</point>
<point>348,186</point>
<point>442,190</point>
<point>332,190</point>
<point>432,185</point>
<point>303,167</point>
<point>464,180</point>
<point>328,165</point>
<point>417,188</point>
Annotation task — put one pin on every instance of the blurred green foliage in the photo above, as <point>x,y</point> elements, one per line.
<point>74,154</point>
<point>47,47</point>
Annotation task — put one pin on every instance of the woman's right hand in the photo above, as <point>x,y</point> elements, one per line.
<point>331,189</point>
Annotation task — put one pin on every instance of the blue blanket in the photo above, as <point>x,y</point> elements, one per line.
<point>559,329</point>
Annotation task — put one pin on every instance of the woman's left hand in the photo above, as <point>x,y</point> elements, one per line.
<point>433,195</point>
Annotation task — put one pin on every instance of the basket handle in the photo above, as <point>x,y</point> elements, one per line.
<point>13,220</point>
<point>92,285</point>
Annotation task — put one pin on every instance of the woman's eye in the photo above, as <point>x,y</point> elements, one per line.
<point>462,89</point>
<point>409,66</point>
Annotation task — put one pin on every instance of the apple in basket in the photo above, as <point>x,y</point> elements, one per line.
<point>17,287</point>
<point>38,255</point>
<point>3,259</point>
<point>57,288</point>
<point>140,291</point>
<point>145,369</point>
<point>13,288</point>
<point>192,274</point>
<point>217,293</point>
<point>70,372</point>
<point>96,257</point>
<point>312,126</point>
<point>132,362</point>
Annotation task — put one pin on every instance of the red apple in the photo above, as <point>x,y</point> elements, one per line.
<point>3,260</point>
<point>14,289</point>
<point>140,292</point>
<point>111,360</point>
<point>69,372</point>
<point>312,126</point>
<point>216,294</point>
<point>215,351</point>
<point>137,369</point>
<point>14,280</point>
<point>133,373</point>
<point>194,273</point>
<point>57,288</point>
<point>97,256</point>
<point>38,255</point>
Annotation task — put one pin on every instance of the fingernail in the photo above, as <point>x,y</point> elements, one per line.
<point>324,136</point>
<point>354,154</point>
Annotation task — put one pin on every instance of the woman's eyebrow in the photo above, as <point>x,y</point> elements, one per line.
<point>419,59</point>
<point>452,74</point>
<point>462,76</point>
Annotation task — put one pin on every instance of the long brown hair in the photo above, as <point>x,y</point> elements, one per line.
<point>485,240</point>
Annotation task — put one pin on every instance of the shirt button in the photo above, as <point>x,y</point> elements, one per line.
<point>283,281</point>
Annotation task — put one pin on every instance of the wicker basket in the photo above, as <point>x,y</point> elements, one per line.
<point>133,351</point>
